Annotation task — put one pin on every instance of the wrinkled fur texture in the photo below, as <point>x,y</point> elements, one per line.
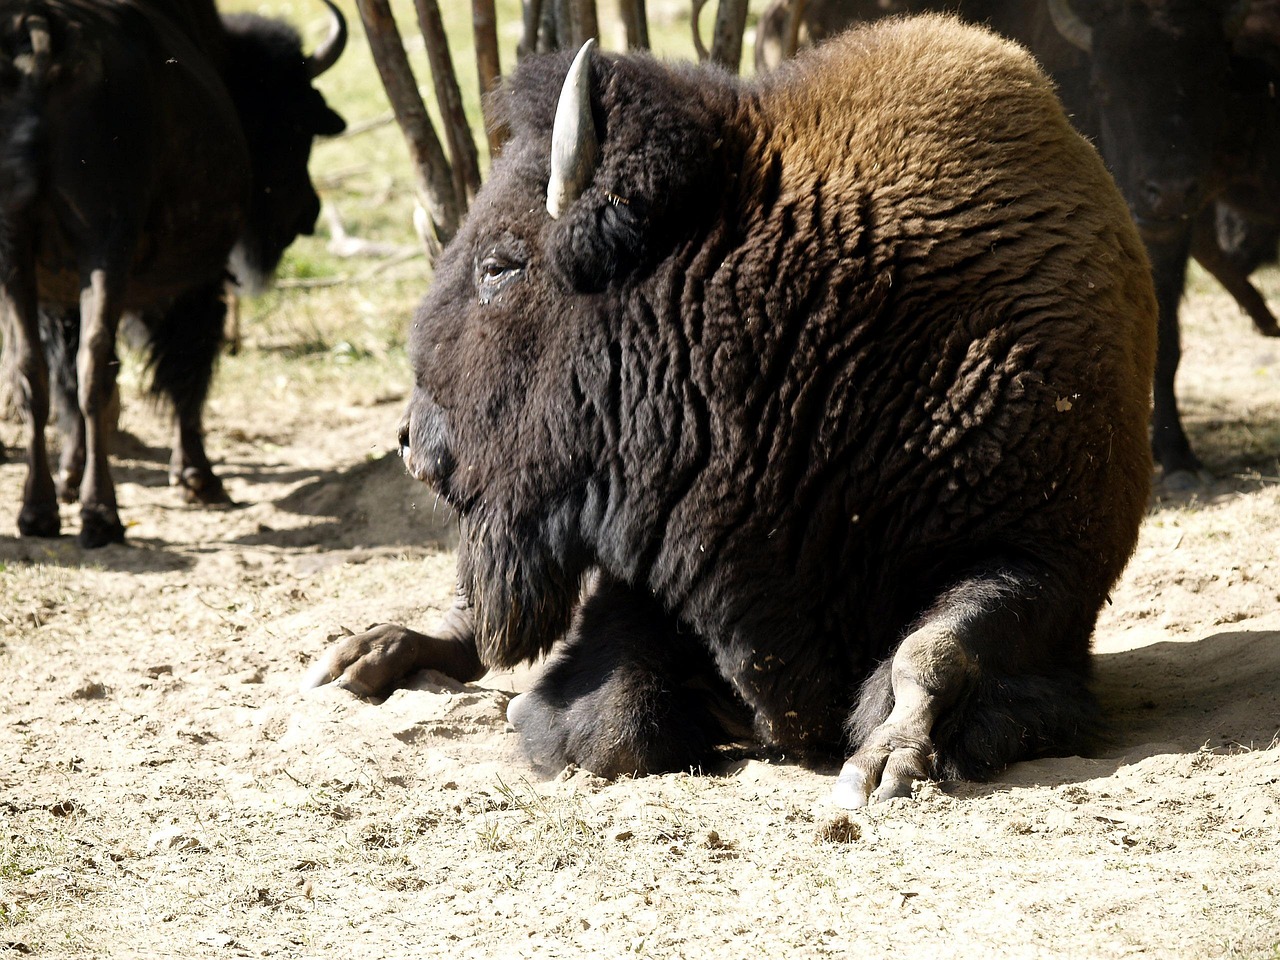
<point>814,361</point>
<point>1177,94</point>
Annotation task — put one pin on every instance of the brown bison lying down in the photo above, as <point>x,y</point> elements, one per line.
<point>810,409</point>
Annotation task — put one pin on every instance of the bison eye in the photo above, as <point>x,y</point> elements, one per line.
<point>493,273</point>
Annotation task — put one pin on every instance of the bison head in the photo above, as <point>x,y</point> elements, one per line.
<point>282,113</point>
<point>1157,73</point>
<point>521,375</point>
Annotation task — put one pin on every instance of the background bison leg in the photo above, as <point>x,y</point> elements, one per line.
<point>1169,444</point>
<point>1232,269</point>
<point>96,375</point>
<point>60,329</point>
<point>994,673</point>
<point>629,692</point>
<point>39,514</point>
<point>374,663</point>
<point>185,342</point>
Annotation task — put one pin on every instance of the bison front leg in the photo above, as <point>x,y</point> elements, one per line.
<point>39,514</point>
<point>995,672</point>
<point>96,375</point>
<point>374,663</point>
<point>628,693</point>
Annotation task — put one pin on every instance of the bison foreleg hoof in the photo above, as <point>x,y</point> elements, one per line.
<point>543,738</point>
<point>99,526</point>
<point>887,766</point>
<point>40,520</point>
<point>199,486</point>
<point>372,664</point>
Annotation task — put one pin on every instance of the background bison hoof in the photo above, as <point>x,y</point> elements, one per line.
<point>68,488</point>
<point>39,522</point>
<point>1186,481</point>
<point>200,486</point>
<point>99,528</point>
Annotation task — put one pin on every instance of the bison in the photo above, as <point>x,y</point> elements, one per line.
<point>810,409</point>
<point>144,146</point>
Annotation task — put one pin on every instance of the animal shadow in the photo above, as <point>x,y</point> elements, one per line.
<point>1220,693</point>
<point>371,504</point>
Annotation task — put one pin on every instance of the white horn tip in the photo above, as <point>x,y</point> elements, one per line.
<point>573,143</point>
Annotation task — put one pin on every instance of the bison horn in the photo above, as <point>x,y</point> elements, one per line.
<point>327,53</point>
<point>1069,24</point>
<point>575,147</point>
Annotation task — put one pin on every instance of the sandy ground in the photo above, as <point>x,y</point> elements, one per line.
<point>165,789</point>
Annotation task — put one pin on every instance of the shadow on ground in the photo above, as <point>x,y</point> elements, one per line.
<point>1221,693</point>
<point>374,503</point>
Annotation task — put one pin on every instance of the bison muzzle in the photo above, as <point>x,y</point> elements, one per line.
<point>809,409</point>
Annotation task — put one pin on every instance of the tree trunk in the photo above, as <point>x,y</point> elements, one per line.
<point>462,146</point>
<point>636,23</point>
<point>791,41</point>
<point>584,22</point>
<point>436,193</point>
<point>731,23</point>
<point>532,25</point>
<point>485,24</point>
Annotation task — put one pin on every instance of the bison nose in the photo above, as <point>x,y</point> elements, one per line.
<point>1168,198</point>
<point>425,449</point>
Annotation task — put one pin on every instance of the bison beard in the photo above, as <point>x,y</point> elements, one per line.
<point>809,410</point>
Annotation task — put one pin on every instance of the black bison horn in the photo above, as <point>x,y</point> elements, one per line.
<point>327,53</point>
<point>575,148</point>
<point>1069,24</point>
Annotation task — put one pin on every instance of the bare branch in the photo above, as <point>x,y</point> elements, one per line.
<point>635,22</point>
<point>585,24</point>
<point>484,23</point>
<point>457,130</point>
<point>791,41</point>
<point>532,24</point>
<point>731,23</point>
<point>434,175</point>
<point>696,15</point>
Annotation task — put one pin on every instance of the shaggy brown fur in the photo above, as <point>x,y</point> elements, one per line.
<point>839,378</point>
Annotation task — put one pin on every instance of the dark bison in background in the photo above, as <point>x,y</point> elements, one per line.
<point>811,409</point>
<point>1180,97</point>
<point>144,144</point>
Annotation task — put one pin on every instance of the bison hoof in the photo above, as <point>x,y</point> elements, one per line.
<point>1186,481</point>
<point>887,766</point>
<point>68,488</point>
<point>39,522</point>
<point>200,486</point>
<point>374,663</point>
<point>100,527</point>
<point>544,742</point>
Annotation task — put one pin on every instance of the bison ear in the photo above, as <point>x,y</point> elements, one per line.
<point>658,138</point>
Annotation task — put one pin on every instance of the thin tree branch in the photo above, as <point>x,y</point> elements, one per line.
<point>485,24</point>
<point>433,173</point>
<point>457,130</point>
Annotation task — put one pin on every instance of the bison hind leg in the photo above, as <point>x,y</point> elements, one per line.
<point>185,343</point>
<point>627,693</point>
<point>995,672</point>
